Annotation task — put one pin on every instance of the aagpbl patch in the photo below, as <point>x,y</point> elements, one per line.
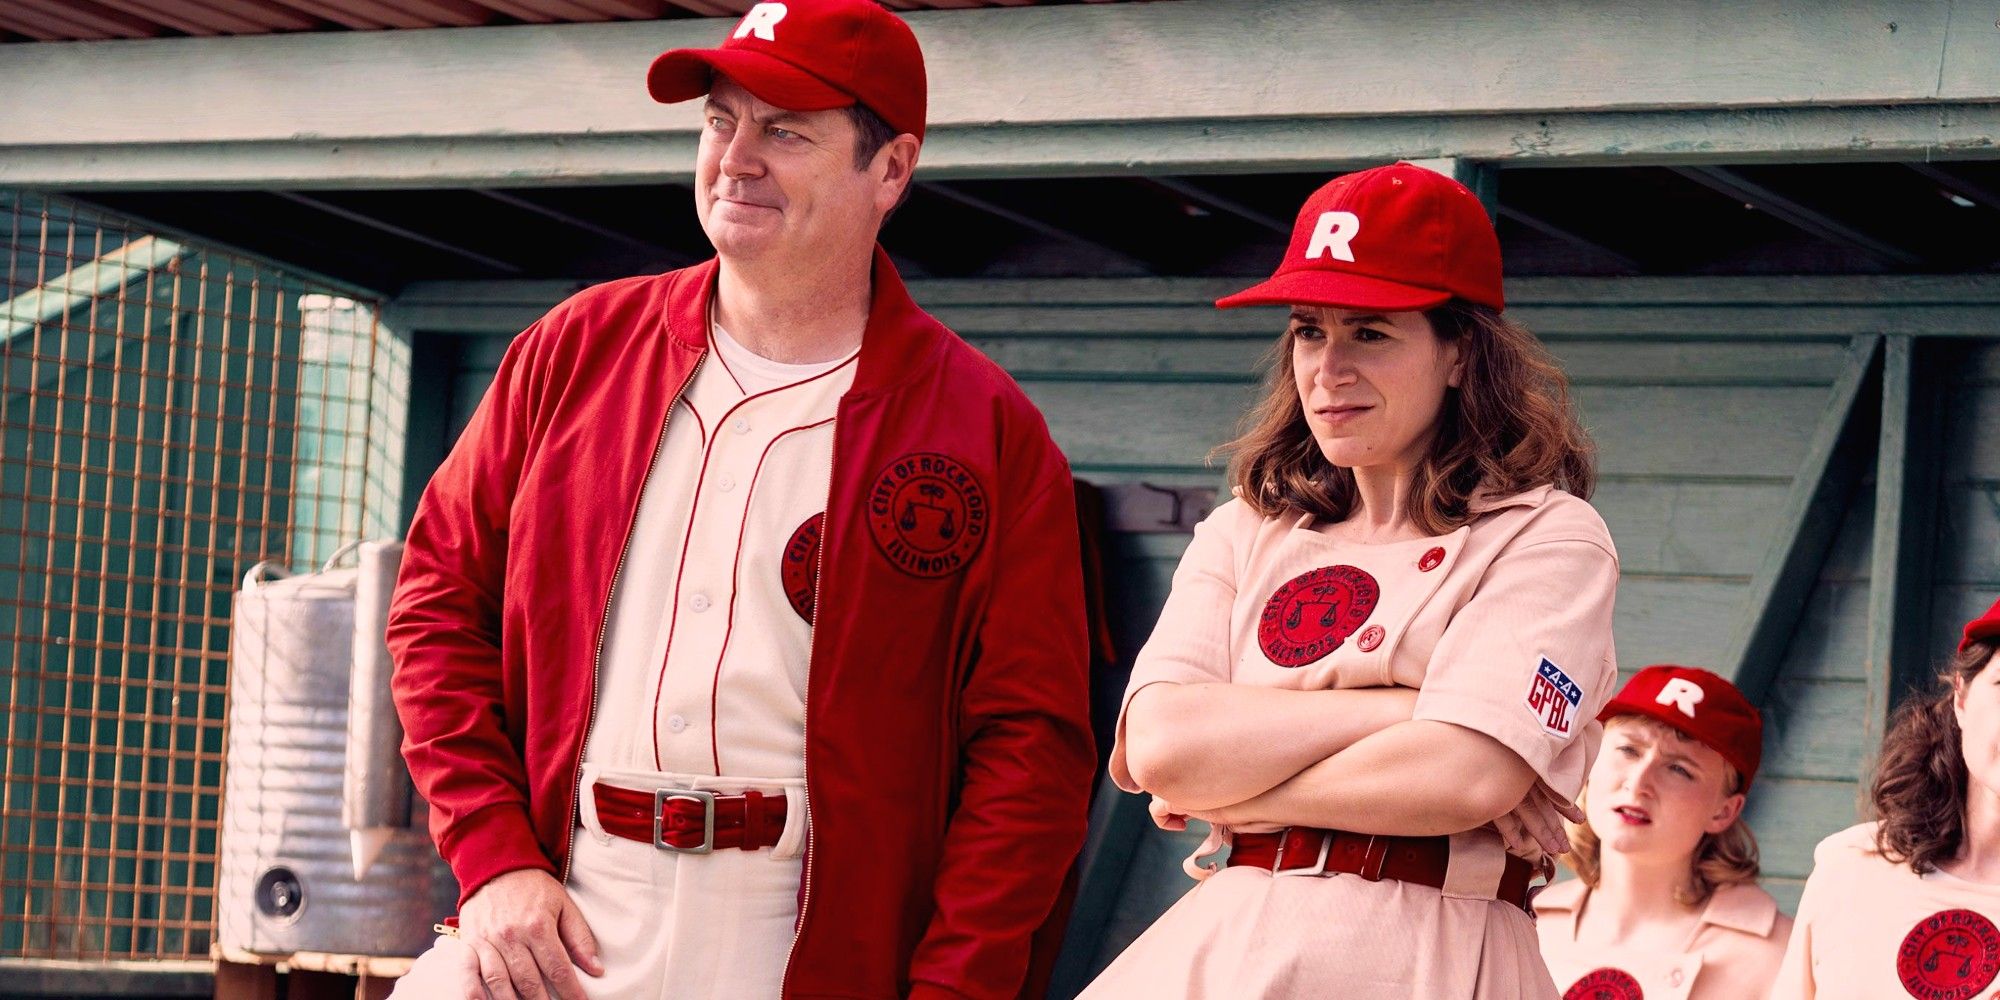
<point>1949,955</point>
<point>799,571</point>
<point>1554,698</point>
<point>1605,984</point>
<point>928,514</point>
<point>1314,612</point>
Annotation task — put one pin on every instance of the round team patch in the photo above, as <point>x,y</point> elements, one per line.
<point>1431,560</point>
<point>800,569</point>
<point>928,514</point>
<point>1605,984</point>
<point>1371,637</point>
<point>1949,955</point>
<point>1313,613</point>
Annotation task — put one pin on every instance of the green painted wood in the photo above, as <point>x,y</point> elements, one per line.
<point>1081,89</point>
<point>1783,583</point>
<point>1791,816</point>
<point>1813,731</point>
<point>1907,484</point>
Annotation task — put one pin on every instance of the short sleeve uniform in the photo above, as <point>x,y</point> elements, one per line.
<point>1732,953</point>
<point>1869,927</point>
<point>1504,626</point>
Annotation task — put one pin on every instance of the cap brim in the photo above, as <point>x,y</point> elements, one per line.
<point>685,74</point>
<point>1339,290</point>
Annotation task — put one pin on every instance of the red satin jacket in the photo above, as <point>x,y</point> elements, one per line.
<point>948,753</point>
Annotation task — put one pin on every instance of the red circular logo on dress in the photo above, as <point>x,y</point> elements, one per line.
<point>1371,637</point>
<point>1431,560</point>
<point>1605,984</point>
<point>928,514</point>
<point>1313,613</point>
<point>800,569</point>
<point>1949,955</point>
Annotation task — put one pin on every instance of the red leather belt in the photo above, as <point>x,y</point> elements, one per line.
<point>1304,850</point>
<point>689,822</point>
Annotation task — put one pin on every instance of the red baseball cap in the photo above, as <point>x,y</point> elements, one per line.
<point>1393,238</point>
<point>809,55</point>
<point>1700,704</point>
<point>1986,626</point>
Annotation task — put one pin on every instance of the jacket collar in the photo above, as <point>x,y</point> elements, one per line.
<point>1488,502</point>
<point>1740,907</point>
<point>899,342</point>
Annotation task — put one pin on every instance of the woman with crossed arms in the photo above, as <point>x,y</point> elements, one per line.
<point>1396,636</point>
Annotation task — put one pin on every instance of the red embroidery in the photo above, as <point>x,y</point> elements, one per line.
<point>1605,984</point>
<point>928,514</point>
<point>1949,955</point>
<point>799,569</point>
<point>1313,613</point>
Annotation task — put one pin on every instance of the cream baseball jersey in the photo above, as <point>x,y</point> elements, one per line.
<point>1731,954</point>
<point>709,632</point>
<point>1870,928</point>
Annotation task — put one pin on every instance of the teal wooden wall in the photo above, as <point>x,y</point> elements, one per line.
<point>1704,396</point>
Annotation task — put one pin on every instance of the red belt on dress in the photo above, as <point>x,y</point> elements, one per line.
<point>690,822</point>
<point>1305,850</point>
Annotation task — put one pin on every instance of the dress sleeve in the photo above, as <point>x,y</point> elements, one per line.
<point>1190,645</point>
<point>1795,975</point>
<point>1528,659</point>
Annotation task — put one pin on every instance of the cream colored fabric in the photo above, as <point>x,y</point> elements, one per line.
<point>1732,953</point>
<point>1468,618</point>
<point>1870,928</point>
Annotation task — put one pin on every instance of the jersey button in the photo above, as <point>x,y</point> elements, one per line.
<point>699,603</point>
<point>725,484</point>
<point>740,425</point>
<point>676,723</point>
<point>1674,978</point>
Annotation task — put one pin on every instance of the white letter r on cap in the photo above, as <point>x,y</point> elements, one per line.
<point>761,19</point>
<point>1681,693</point>
<point>1335,232</point>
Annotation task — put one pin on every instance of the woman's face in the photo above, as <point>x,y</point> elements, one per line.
<point>1654,792</point>
<point>1372,385</point>
<point>1976,702</point>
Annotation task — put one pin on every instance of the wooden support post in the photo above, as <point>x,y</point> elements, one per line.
<point>1906,510</point>
<point>1117,821</point>
<point>1834,463</point>
<point>245,981</point>
<point>1482,178</point>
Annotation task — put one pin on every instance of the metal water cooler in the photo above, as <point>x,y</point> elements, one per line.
<point>319,852</point>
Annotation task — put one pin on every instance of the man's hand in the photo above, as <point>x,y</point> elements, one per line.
<point>1535,826</point>
<point>527,932</point>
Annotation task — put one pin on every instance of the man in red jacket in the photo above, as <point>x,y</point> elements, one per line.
<point>740,639</point>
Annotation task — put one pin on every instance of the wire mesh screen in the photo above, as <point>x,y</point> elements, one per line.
<point>172,416</point>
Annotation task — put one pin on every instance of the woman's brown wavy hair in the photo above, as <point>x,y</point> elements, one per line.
<point>1919,791</point>
<point>1720,859</point>
<point>1509,426</point>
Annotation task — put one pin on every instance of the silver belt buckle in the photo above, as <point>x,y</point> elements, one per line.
<point>707,800</point>
<point>1318,867</point>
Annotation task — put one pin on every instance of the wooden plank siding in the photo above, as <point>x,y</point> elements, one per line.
<point>1702,395</point>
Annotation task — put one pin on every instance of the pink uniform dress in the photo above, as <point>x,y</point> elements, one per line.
<point>1732,954</point>
<point>1870,928</point>
<point>1505,627</point>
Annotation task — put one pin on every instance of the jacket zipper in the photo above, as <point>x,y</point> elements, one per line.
<point>604,625</point>
<point>805,723</point>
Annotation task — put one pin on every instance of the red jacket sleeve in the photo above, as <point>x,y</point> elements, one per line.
<point>444,632</point>
<point>1027,757</point>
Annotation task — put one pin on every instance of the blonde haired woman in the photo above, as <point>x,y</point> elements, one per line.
<point>1666,904</point>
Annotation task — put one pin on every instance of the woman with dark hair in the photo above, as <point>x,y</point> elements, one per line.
<point>1380,665</point>
<point>1666,904</point>
<point>1908,904</point>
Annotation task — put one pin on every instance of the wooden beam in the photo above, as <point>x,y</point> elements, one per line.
<point>1213,202</point>
<point>1032,224</point>
<point>1550,229</point>
<point>672,258</point>
<point>1907,485</point>
<point>1834,464</point>
<point>1975,193</point>
<point>1201,85</point>
<point>382,225</point>
<point>1733,185</point>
